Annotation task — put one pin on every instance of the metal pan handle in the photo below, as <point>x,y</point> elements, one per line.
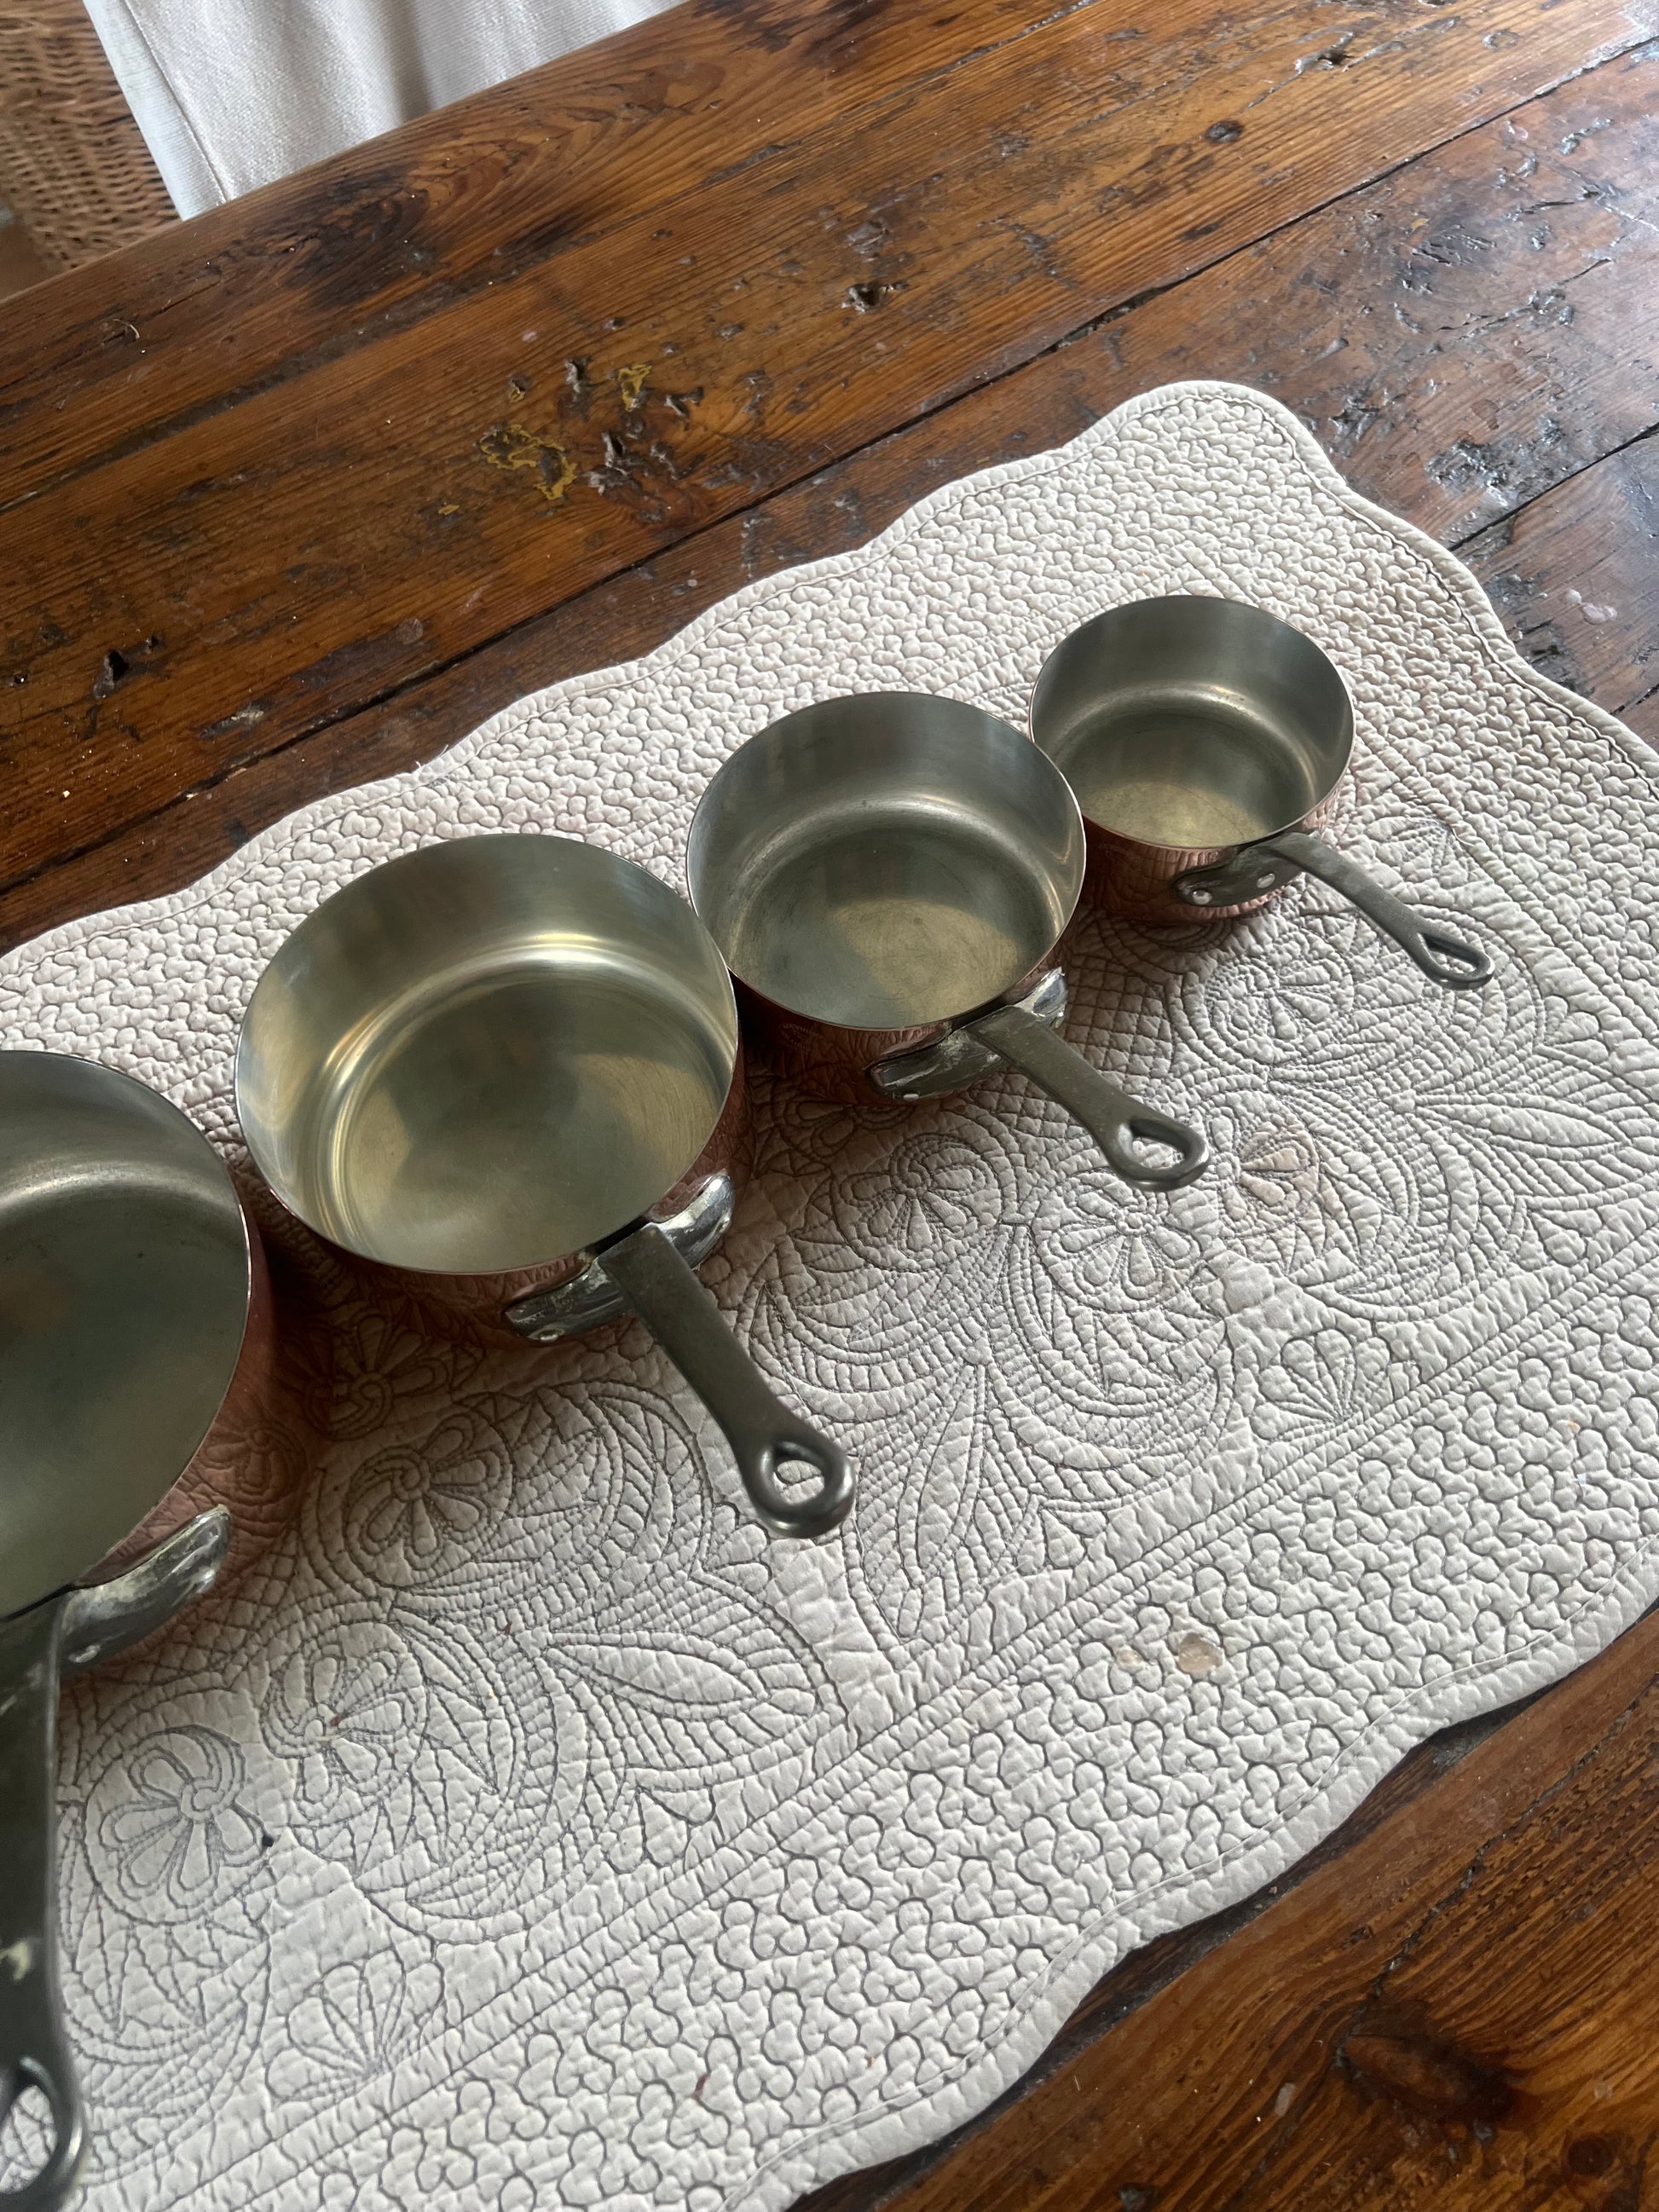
<point>1118,1123</point>
<point>667,1297</point>
<point>34,2052</point>
<point>584,1301</point>
<point>1449,961</point>
<point>74,1629</point>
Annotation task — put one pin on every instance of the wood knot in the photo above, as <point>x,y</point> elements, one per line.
<point>112,668</point>
<point>1590,2156</point>
<point>117,666</point>
<point>1429,2079</point>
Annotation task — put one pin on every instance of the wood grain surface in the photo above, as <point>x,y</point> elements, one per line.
<point>1390,320</point>
<point>443,481</point>
<point>401,228</point>
<point>295,495</point>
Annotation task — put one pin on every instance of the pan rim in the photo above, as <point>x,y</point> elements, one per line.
<point>155,1101</point>
<point>1320,800</point>
<point>887,695</point>
<point>601,857</point>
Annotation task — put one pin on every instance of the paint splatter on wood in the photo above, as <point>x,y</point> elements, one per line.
<point>516,446</point>
<point>630,382</point>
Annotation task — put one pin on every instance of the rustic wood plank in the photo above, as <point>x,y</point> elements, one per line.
<point>189,607</point>
<point>395,229</point>
<point>1575,576</point>
<point>1273,315</point>
<point>1471,329</point>
<point>1420,2021</point>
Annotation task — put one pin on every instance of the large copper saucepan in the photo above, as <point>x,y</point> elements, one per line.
<point>507,1070</point>
<point>136,1350</point>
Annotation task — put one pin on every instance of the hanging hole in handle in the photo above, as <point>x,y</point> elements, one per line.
<point>1457,964</point>
<point>1154,1151</point>
<point>800,1486</point>
<point>28,2133</point>
<point>799,1477</point>
<point>41,2141</point>
<point>1158,1154</point>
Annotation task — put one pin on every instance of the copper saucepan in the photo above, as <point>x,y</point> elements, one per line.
<point>136,1354</point>
<point>507,1070</point>
<point>888,876</point>
<point>1205,741</point>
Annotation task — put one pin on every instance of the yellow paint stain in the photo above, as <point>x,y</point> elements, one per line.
<point>630,382</point>
<point>516,446</point>
<point>449,506</point>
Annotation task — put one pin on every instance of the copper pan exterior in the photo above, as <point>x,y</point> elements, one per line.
<point>887,876</point>
<point>503,1073</point>
<point>140,1361</point>
<point>137,1332</point>
<point>266,1439</point>
<point>1135,881</point>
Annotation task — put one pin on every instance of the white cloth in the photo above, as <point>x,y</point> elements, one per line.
<point>232,93</point>
<point>530,1834</point>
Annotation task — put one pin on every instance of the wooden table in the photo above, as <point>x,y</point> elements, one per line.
<point>295,494</point>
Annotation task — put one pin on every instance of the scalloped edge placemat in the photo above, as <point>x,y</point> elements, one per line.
<point>528,1830</point>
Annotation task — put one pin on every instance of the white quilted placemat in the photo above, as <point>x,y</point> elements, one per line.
<point>543,1836</point>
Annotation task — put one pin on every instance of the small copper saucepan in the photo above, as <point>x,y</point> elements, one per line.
<point>137,1360</point>
<point>888,876</point>
<point>1205,740</point>
<point>506,1069</point>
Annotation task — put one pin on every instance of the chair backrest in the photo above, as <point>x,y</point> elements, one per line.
<point>74,168</point>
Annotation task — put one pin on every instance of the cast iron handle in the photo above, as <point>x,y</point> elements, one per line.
<point>1448,960</point>
<point>685,1321</point>
<point>35,2051</point>
<point>74,1629</point>
<point>959,1056</point>
<point>1116,1121</point>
